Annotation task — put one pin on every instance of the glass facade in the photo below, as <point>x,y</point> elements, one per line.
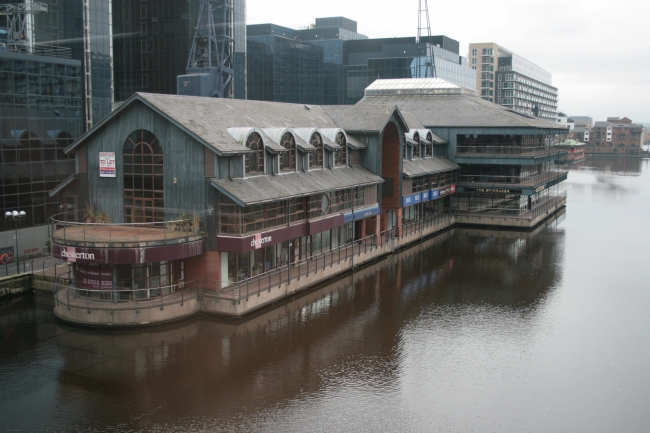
<point>283,70</point>
<point>40,115</point>
<point>332,66</point>
<point>153,40</point>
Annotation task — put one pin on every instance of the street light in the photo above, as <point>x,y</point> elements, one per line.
<point>16,216</point>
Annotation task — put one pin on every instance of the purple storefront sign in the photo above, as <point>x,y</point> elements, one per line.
<point>129,255</point>
<point>232,244</point>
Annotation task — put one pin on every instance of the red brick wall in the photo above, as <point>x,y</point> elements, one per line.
<point>207,267</point>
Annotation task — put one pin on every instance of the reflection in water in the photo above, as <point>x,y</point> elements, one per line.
<point>348,334</point>
<point>471,330</point>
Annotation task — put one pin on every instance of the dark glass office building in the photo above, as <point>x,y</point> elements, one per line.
<point>152,41</point>
<point>40,114</point>
<point>336,63</point>
<point>86,30</point>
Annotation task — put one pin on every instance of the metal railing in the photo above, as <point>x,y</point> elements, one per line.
<point>286,274</point>
<point>49,267</point>
<point>532,180</point>
<point>415,226</point>
<point>90,299</point>
<point>72,231</point>
<point>508,150</point>
<point>540,207</point>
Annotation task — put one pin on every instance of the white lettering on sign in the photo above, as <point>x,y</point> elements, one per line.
<point>259,241</point>
<point>71,255</point>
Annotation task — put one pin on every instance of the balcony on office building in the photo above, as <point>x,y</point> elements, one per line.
<point>509,150</point>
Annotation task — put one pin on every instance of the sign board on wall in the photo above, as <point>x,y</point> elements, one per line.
<point>95,277</point>
<point>106,164</point>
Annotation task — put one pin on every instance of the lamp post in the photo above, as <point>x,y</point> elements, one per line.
<point>16,216</point>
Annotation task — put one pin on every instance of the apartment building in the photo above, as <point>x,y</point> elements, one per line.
<point>508,79</point>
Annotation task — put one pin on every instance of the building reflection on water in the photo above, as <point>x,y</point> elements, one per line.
<point>220,373</point>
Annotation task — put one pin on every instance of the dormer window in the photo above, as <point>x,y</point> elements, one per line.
<point>288,158</point>
<point>254,162</point>
<point>316,158</point>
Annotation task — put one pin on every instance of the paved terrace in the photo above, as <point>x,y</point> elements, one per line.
<point>118,234</point>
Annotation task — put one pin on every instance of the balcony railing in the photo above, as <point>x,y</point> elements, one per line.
<point>489,151</point>
<point>70,232</point>
<point>530,181</point>
<point>511,208</point>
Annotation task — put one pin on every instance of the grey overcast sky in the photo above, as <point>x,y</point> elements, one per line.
<point>598,51</point>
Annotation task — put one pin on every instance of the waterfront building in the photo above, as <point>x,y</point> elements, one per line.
<point>508,176</point>
<point>41,104</point>
<point>508,79</point>
<point>331,63</point>
<point>616,136</point>
<point>576,151</point>
<point>175,191</point>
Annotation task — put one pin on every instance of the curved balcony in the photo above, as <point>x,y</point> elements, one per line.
<point>127,242</point>
<point>124,235</point>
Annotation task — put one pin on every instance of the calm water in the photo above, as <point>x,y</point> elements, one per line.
<point>474,330</point>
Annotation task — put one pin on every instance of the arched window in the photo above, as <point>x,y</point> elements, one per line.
<point>316,158</point>
<point>144,199</point>
<point>288,158</point>
<point>429,148</point>
<point>254,162</point>
<point>341,155</point>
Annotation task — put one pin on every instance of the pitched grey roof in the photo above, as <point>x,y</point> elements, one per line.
<point>436,164</point>
<point>356,144</point>
<point>262,189</point>
<point>208,119</point>
<point>355,118</point>
<point>458,111</point>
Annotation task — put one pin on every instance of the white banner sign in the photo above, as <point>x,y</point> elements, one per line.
<point>106,164</point>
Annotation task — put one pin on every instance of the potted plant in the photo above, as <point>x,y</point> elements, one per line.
<point>196,222</point>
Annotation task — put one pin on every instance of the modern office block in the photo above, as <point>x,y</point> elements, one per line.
<point>337,63</point>
<point>41,103</point>
<point>510,80</point>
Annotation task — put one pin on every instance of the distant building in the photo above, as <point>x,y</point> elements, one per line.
<point>616,136</point>
<point>507,79</point>
<point>565,120</point>
<point>331,63</point>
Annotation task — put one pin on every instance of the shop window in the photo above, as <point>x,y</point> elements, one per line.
<point>255,161</point>
<point>316,158</point>
<point>288,158</point>
<point>143,178</point>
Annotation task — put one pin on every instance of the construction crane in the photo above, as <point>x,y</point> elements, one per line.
<point>18,23</point>
<point>427,60</point>
<point>210,68</point>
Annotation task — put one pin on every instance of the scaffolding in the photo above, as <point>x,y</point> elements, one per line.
<point>210,69</point>
<point>19,26</point>
<point>427,61</point>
